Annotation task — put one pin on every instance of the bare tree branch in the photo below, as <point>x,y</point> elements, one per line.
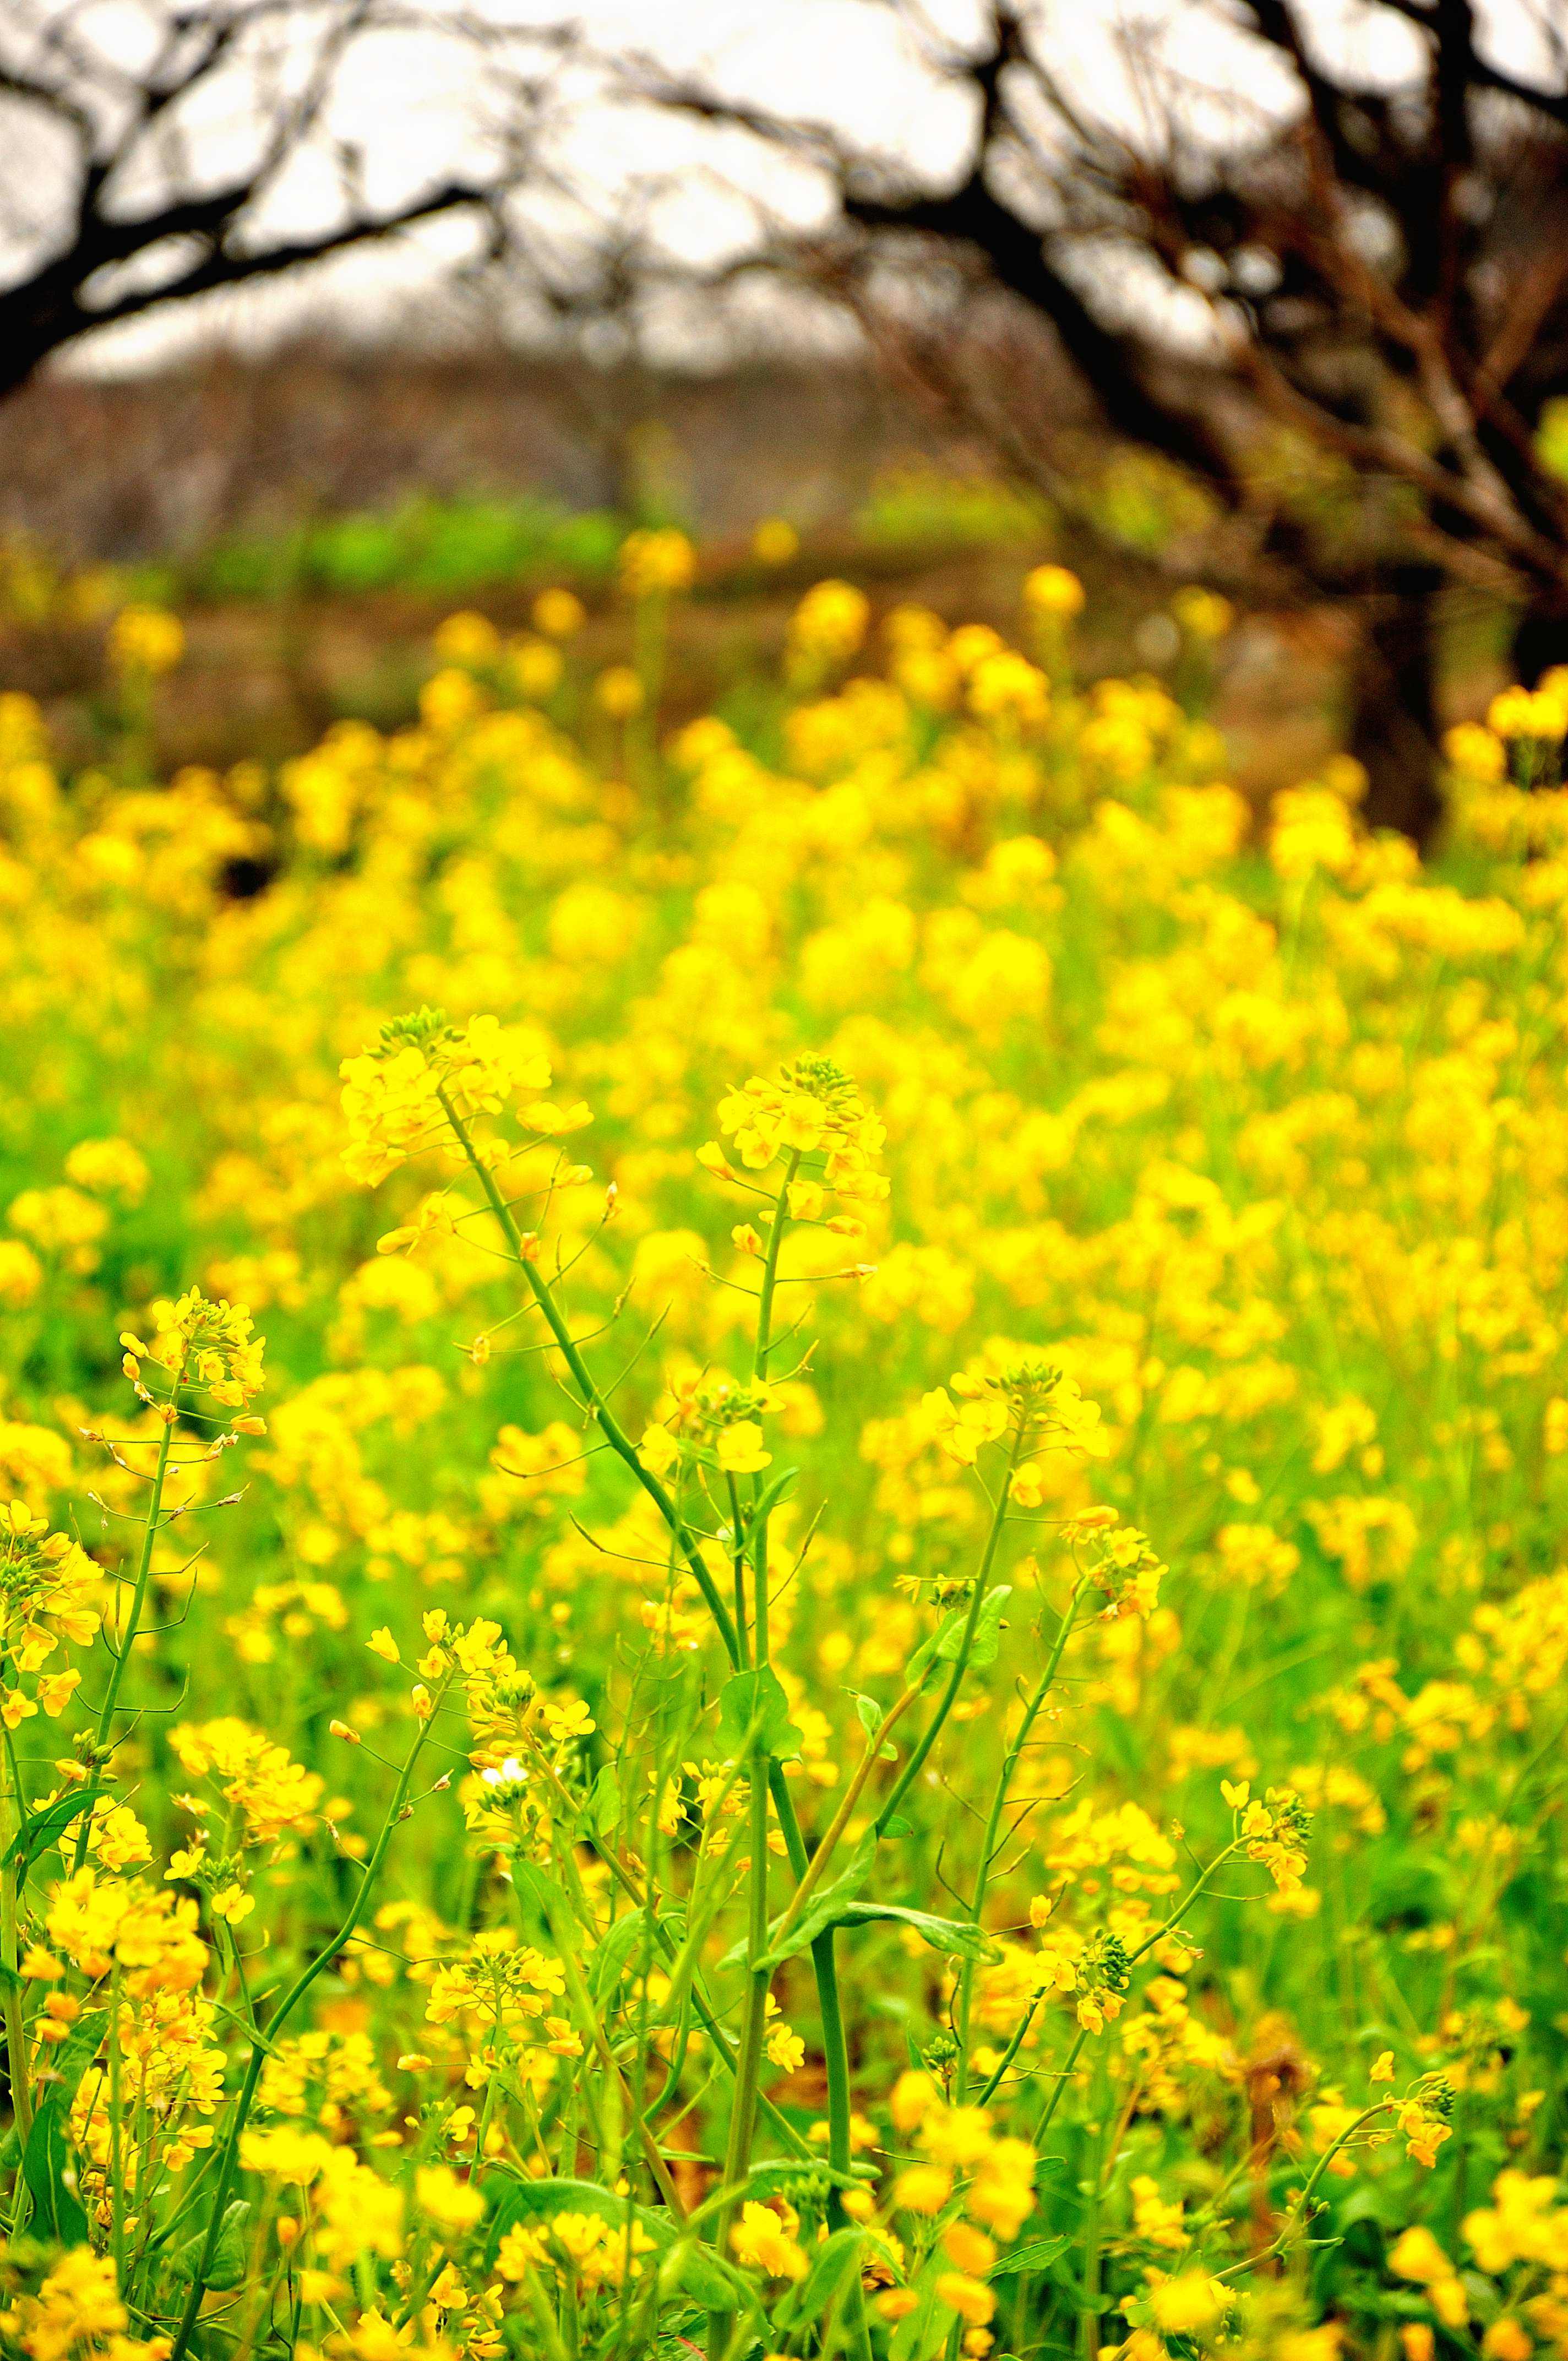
<point>1380,265</point>
<point>151,177</point>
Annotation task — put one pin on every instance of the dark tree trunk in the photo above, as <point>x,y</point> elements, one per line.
<point>1540,639</point>
<point>1394,726</point>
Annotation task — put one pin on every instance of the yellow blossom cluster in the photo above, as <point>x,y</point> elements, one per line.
<point>946,1742</point>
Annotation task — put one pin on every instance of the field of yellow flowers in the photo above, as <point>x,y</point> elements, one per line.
<point>875,1665</point>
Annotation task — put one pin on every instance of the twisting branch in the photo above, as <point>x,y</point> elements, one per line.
<point>150,208</point>
<point>1339,305</point>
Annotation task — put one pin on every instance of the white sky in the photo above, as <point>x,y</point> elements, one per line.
<point>416,104</point>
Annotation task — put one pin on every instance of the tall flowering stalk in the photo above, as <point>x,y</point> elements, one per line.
<point>812,1132</point>
<point>803,1150</point>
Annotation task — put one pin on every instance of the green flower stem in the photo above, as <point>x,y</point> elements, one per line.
<point>1299,2212</point>
<point>544,2318</point>
<point>994,2080</point>
<point>836,2063</point>
<point>749,2047</point>
<point>825,1968</point>
<point>1168,1925</point>
<point>102,1733</point>
<point>592,1400</point>
<point>811,1875</point>
<point>610,1427</point>
<point>917,1762</point>
<point>261,2045</point>
<point>1091,2267</point>
<point>632,1885</point>
<point>116,2121</point>
<point>759,1376</point>
<point>1011,1761</point>
<point>754,2010</point>
<point>738,1551</point>
<point>16,2032</point>
<point>587,2018</point>
<point>12,1813</point>
<point>771,1272</point>
<point>1053,2101</point>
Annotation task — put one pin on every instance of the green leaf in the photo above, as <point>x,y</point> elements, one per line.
<point>40,1829</point>
<point>231,2256</point>
<point>614,1954</point>
<point>1368,2203</point>
<point>549,1897</point>
<point>920,1664</point>
<point>923,2331</point>
<point>1482,2291</point>
<point>836,2263</point>
<point>754,1711</point>
<point>771,1498</point>
<point>71,2060</point>
<point>705,2278</point>
<point>826,1908</point>
<point>781,2176</point>
<point>945,1644</point>
<point>987,1638</point>
<point>871,1716</point>
<point>602,1810</point>
<point>839,1904</point>
<point>49,2158</point>
<point>1036,2255</point>
<point>48,2167</point>
<point>964,1940</point>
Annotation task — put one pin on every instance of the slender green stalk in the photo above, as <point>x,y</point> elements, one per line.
<point>1168,1925</point>
<point>1299,2212</point>
<point>998,2074</point>
<point>418,2295</point>
<point>836,2065</point>
<point>1053,2100</point>
<point>13,1810</point>
<point>738,1554</point>
<point>754,2010</point>
<point>771,1272</point>
<point>783,1802</point>
<point>811,1876</point>
<point>1091,2266</point>
<point>633,1885</point>
<point>587,2017</point>
<point>103,1730</point>
<point>260,2046</point>
<point>544,2318</point>
<point>949,1699</point>
<point>760,1358</point>
<point>592,1401</point>
<point>116,2113</point>
<point>1011,1761</point>
<point>835,2044</point>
